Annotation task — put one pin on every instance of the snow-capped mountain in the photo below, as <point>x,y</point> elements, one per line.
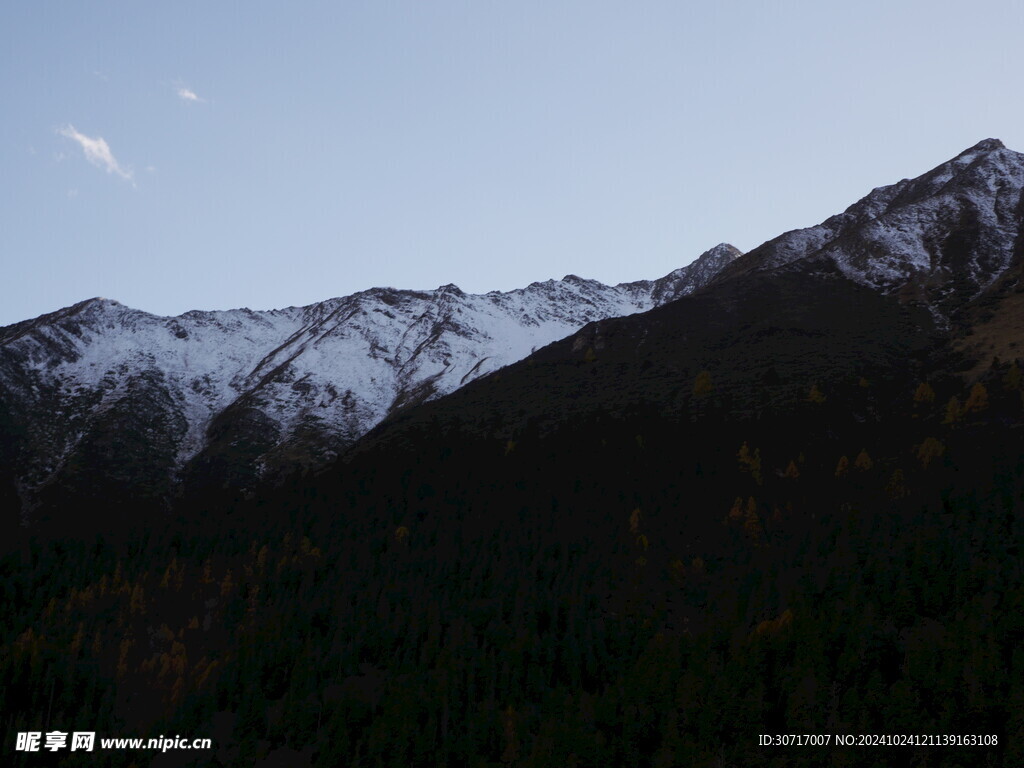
<point>99,395</point>
<point>922,280</point>
<point>939,240</point>
<point>100,388</point>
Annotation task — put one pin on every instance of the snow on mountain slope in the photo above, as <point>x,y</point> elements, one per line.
<point>939,239</point>
<point>301,383</point>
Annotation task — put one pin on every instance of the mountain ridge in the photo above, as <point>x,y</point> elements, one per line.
<point>292,385</point>
<point>943,299</point>
<point>222,399</point>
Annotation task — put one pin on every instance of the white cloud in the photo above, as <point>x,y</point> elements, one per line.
<point>187,94</point>
<point>97,152</point>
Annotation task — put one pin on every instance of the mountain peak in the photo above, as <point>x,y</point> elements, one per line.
<point>985,145</point>
<point>713,258</point>
<point>986,151</point>
<point>695,275</point>
<point>726,250</point>
<point>938,240</point>
<point>571,278</point>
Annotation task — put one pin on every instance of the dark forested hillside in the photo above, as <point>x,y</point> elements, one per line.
<point>641,546</point>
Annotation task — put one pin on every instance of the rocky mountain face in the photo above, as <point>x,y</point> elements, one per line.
<point>99,392</point>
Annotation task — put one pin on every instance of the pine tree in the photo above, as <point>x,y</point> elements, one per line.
<point>1012,378</point>
<point>510,755</point>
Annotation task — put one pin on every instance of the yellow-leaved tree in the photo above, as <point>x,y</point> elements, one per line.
<point>977,401</point>
<point>863,461</point>
<point>924,394</point>
<point>702,386</point>
<point>953,411</point>
<point>842,467</point>
<point>929,450</point>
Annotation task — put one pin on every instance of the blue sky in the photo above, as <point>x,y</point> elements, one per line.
<point>214,155</point>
